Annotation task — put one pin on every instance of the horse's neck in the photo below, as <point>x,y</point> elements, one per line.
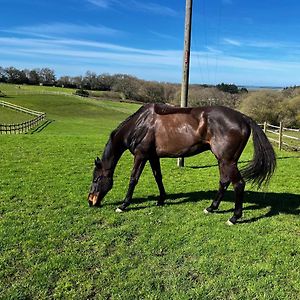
<point>111,155</point>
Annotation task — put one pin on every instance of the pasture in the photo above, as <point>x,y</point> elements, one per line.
<point>53,246</point>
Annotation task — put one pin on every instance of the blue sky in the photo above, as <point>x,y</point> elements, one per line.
<point>243,42</point>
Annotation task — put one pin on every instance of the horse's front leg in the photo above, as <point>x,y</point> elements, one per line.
<point>155,165</point>
<point>138,166</point>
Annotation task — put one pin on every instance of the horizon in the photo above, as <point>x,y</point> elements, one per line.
<point>248,44</point>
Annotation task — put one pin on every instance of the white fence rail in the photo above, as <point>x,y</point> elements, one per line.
<point>21,127</point>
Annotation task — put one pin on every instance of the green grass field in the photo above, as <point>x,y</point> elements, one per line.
<point>53,246</point>
<point>10,116</point>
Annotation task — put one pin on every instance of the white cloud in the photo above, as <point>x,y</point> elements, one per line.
<point>232,42</point>
<point>100,3</point>
<point>135,5</point>
<point>116,54</point>
<point>84,54</point>
<point>61,29</point>
<point>153,8</point>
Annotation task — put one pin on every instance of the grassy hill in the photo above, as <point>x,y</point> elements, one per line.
<point>9,116</point>
<point>53,246</point>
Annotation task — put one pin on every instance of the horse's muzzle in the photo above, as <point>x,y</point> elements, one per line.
<point>93,199</point>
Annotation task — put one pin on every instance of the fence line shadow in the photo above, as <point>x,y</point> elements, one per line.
<point>41,127</point>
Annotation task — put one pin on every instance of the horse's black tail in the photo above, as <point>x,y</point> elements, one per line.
<point>263,164</point>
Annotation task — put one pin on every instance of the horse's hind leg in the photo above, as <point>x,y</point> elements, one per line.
<point>223,185</point>
<point>239,186</point>
<point>219,196</point>
<point>230,173</point>
<point>155,165</point>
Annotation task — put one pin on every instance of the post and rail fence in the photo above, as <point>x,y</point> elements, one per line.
<point>283,140</point>
<point>24,126</point>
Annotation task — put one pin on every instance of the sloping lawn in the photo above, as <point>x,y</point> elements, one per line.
<point>53,246</point>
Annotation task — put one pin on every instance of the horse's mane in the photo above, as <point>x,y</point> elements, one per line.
<point>165,109</point>
<point>137,116</point>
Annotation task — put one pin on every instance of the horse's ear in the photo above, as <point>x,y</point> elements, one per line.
<point>98,163</point>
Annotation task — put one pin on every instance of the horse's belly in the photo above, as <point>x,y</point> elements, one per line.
<point>169,150</point>
<point>177,138</point>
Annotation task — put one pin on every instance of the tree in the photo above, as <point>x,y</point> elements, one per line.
<point>15,76</point>
<point>77,81</point>
<point>47,76</point>
<point>228,88</point>
<point>3,75</point>
<point>90,81</point>
<point>127,85</point>
<point>34,77</point>
<point>151,91</point>
<point>170,91</point>
<point>65,81</point>
<point>105,82</point>
<point>263,106</point>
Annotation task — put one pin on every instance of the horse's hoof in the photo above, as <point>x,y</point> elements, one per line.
<point>229,223</point>
<point>160,204</point>
<point>207,211</point>
<point>119,210</point>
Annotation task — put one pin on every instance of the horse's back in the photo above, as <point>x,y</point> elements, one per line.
<point>178,131</point>
<point>188,131</point>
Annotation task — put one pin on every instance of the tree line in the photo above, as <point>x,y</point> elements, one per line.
<point>272,106</point>
<point>128,87</point>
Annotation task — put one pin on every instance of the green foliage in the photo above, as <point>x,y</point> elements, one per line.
<point>53,246</point>
<point>262,106</point>
<point>82,93</point>
<point>273,107</point>
<point>228,88</point>
<point>127,85</point>
<point>208,96</point>
<point>152,92</point>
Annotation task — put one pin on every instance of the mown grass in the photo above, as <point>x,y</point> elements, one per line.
<point>9,116</point>
<point>53,246</point>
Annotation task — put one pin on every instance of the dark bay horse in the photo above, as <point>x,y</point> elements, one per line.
<point>159,130</point>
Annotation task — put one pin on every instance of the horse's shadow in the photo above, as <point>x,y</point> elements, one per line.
<point>278,203</point>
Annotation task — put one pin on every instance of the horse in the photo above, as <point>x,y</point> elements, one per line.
<point>159,130</point>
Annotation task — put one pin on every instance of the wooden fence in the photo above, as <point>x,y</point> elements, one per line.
<point>287,140</point>
<point>21,127</point>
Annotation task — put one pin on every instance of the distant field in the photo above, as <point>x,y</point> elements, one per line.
<point>15,89</point>
<point>53,246</point>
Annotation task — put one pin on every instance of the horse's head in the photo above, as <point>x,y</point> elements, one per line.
<point>101,185</point>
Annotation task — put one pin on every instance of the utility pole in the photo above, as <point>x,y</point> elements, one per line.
<point>186,61</point>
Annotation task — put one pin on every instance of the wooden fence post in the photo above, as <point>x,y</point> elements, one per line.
<point>280,135</point>
<point>265,127</point>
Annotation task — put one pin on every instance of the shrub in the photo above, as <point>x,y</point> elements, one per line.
<point>263,106</point>
<point>82,93</point>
